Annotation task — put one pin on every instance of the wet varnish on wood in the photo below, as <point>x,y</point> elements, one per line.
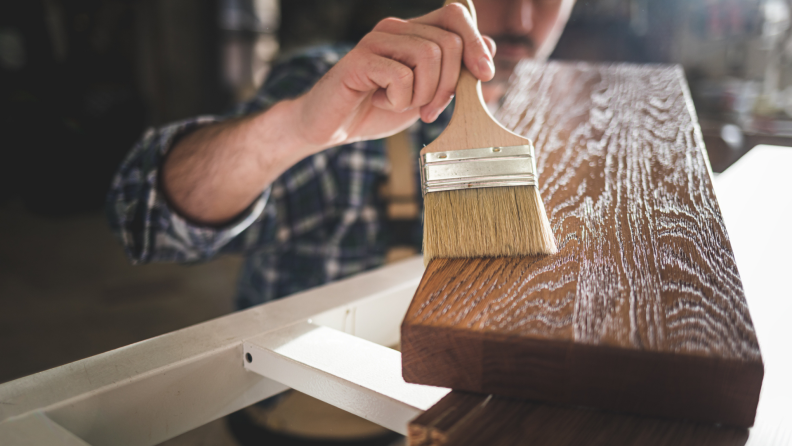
<point>642,309</point>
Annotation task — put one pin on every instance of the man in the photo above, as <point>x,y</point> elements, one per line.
<point>290,179</point>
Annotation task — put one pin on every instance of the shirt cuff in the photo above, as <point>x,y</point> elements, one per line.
<point>195,241</point>
<point>200,242</point>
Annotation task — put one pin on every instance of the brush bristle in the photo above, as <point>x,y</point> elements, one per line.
<point>486,222</point>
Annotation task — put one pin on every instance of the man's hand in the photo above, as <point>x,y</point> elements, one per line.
<point>402,70</point>
<point>399,72</point>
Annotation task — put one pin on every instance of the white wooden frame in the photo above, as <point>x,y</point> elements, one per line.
<point>329,342</point>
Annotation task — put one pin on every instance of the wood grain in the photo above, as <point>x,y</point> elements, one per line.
<point>642,309</point>
<point>471,420</point>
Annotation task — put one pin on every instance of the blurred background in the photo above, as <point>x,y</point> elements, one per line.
<point>80,80</point>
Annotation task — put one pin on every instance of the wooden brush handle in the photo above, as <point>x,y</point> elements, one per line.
<point>471,125</point>
<point>468,88</point>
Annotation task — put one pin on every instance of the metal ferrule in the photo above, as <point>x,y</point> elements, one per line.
<point>474,168</point>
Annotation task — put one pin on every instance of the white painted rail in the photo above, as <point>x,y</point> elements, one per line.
<point>351,373</point>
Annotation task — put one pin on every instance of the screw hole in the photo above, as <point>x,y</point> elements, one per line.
<point>496,150</point>
<point>248,357</point>
<point>443,156</point>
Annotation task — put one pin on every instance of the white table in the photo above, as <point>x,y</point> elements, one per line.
<point>330,343</point>
<point>755,196</point>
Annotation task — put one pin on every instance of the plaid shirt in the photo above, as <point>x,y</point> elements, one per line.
<point>320,221</point>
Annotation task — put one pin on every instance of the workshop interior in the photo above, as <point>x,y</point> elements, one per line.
<point>81,81</point>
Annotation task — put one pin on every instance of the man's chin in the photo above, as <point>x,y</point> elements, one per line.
<point>507,57</point>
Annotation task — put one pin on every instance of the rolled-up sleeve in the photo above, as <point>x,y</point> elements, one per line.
<point>150,230</point>
<point>140,216</point>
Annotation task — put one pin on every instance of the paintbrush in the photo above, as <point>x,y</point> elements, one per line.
<point>479,182</point>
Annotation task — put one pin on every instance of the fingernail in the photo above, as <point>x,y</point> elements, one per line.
<point>485,65</point>
<point>429,116</point>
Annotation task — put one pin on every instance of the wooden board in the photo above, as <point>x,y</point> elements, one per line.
<point>466,419</point>
<point>642,309</point>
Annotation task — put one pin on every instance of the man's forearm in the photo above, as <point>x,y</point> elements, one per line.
<point>402,70</point>
<point>216,172</point>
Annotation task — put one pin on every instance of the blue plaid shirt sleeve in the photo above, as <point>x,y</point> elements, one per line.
<point>150,229</point>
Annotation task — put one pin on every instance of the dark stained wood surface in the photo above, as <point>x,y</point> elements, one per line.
<point>485,420</point>
<point>642,309</point>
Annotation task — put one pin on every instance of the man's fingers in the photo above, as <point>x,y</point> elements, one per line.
<point>423,56</point>
<point>407,64</point>
<point>397,80</point>
<point>372,72</point>
<point>490,44</point>
<point>457,19</point>
<point>451,46</point>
